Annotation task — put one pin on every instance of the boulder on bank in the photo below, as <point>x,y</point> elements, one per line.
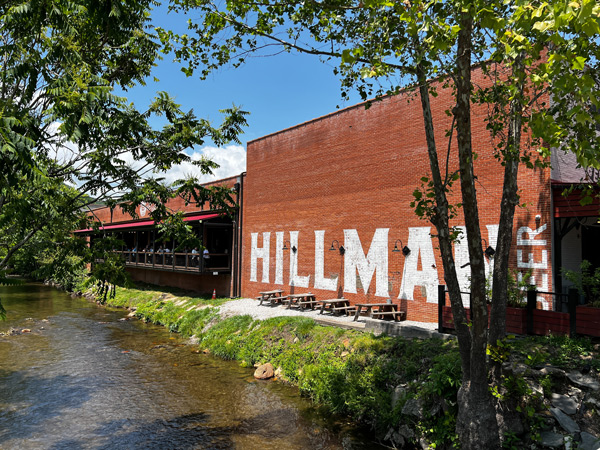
<point>264,372</point>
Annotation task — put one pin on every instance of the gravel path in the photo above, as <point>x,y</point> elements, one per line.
<point>251,307</point>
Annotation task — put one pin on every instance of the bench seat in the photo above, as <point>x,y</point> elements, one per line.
<point>309,303</point>
<point>345,309</point>
<point>394,314</point>
<point>274,300</point>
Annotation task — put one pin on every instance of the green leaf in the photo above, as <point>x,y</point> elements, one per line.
<point>578,63</point>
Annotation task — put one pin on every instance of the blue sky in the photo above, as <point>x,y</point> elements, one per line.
<point>279,92</point>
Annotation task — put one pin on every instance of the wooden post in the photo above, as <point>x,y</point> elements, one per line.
<point>573,300</point>
<point>441,304</point>
<point>531,306</point>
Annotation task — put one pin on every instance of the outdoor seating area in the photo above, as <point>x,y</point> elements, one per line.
<point>272,297</point>
<point>335,306</point>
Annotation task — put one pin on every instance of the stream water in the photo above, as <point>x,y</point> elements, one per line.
<point>86,378</point>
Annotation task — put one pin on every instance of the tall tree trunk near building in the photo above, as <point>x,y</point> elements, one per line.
<point>510,199</point>
<point>477,426</point>
<point>476,423</point>
<point>441,223</point>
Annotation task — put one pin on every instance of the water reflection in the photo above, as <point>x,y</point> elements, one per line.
<point>85,378</point>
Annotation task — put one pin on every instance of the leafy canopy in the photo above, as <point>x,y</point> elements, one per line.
<point>67,141</point>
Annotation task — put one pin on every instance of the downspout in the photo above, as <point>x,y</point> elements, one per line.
<point>234,232</point>
<point>240,229</point>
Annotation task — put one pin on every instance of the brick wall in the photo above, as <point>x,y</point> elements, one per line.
<point>350,177</point>
<point>201,283</point>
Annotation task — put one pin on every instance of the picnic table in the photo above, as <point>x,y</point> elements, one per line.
<point>303,301</point>
<point>379,310</point>
<point>336,305</point>
<point>273,297</point>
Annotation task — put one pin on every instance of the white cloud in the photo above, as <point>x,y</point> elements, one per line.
<point>59,149</point>
<point>231,160</point>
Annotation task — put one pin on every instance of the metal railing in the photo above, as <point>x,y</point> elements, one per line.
<point>177,261</point>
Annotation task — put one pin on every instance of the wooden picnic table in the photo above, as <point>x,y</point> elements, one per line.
<point>302,300</point>
<point>382,310</point>
<point>272,297</point>
<point>336,305</point>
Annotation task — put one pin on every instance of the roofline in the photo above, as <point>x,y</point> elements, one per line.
<point>372,100</point>
<point>222,179</point>
<point>328,115</point>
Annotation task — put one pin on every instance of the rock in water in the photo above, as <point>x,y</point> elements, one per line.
<point>264,372</point>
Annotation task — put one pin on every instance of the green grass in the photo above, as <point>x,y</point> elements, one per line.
<point>560,351</point>
<point>128,297</point>
<point>175,309</point>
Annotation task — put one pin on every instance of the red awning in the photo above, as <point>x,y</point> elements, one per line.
<point>200,217</point>
<point>147,222</point>
<point>121,225</point>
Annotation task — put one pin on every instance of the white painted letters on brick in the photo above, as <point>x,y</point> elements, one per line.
<point>328,284</point>
<point>295,279</point>
<point>376,262</point>
<point>521,240</point>
<point>531,264</point>
<point>419,242</point>
<point>419,266</point>
<point>527,237</point>
<point>279,258</point>
<point>262,253</point>
<point>461,260</point>
<point>492,242</point>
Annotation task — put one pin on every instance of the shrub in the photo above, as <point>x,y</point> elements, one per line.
<point>517,289</point>
<point>587,282</point>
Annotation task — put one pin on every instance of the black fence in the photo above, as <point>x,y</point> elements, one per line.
<point>563,314</point>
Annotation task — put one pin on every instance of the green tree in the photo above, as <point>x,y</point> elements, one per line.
<point>61,122</point>
<point>529,51</point>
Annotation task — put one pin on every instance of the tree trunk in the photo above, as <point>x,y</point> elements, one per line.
<point>442,225</point>
<point>476,426</point>
<point>4,262</point>
<point>476,423</point>
<point>510,199</point>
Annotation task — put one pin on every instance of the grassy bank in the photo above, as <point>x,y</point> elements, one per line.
<point>369,378</point>
<point>404,389</point>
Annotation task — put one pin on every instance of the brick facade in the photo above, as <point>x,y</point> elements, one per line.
<point>350,176</point>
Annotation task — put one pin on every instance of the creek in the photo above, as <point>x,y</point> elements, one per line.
<point>86,377</point>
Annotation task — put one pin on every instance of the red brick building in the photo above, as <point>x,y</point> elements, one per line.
<point>152,259</point>
<point>347,180</point>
